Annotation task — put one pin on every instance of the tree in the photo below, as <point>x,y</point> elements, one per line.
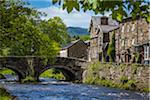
<point>20,34</point>
<point>56,30</point>
<point>119,8</point>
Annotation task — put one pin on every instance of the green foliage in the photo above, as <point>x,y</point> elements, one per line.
<point>81,37</point>
<point>111,49</point>
<point>55,29</point>
<point>118,8</point>
<point>4,94</point>
<point>23,33</point>
<point>7,71</point>
<point>138,58</point>
<point>124,79</point>
<point>52,73</point>
<point>127,84</point>
<point>2,76</point>
<point>28,79</point>
<point>84,37</point>
<point>146,90</point>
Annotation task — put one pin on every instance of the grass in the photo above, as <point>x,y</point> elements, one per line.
<point>52,73</point>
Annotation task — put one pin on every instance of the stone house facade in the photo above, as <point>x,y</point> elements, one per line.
<point>76,49</point>
<point>133,37</point>
<point>101,30</point>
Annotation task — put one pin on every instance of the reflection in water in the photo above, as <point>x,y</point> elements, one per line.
<point>51,89</point>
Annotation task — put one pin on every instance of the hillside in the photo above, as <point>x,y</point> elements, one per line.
<point>75,31</point>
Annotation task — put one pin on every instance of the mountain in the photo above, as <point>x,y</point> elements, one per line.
<point>74,31</point>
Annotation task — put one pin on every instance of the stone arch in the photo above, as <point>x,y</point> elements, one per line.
<point>20,76</point>
<point>69,74</point>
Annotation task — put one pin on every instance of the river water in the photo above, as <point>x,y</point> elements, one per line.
<point>50,89</point>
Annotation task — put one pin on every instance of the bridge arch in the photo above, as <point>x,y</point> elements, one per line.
<point>67,72</point>
<point>17,72</point>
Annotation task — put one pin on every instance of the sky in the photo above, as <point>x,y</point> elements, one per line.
<point>74,19</point>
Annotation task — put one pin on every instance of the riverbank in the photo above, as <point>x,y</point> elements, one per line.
<point>124,76</point>
<point>5,95</point>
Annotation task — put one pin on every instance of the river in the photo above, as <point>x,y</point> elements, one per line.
<point>51,89</point>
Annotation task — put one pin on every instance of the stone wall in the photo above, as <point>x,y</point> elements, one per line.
<point>130,34</point>
<point>125,76</point>
<point>78,50</point>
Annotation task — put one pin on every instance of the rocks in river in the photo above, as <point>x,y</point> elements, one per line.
<point>2,76</point>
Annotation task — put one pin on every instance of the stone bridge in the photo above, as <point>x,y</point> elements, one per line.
<point>72,68</point>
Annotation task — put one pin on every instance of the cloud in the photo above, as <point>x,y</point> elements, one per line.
<point>75,18</point>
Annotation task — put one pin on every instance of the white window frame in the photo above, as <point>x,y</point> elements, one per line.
<point>133,27</point>
<point>128,28</point>
<point>123,42</point>
<point>122,30</point>
<point>146,53</point>
<point>133,41</point>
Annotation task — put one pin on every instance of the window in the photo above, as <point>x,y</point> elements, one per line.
<point>122,43</point>
<point>106,37</point>
<point>104,21</point>
<point>146,52</point>
<point>133,41</point>
<point>133,27</point>
<point>128,28</point>
<point>122,29</point>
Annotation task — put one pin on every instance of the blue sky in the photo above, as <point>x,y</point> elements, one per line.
<point>75,18</point>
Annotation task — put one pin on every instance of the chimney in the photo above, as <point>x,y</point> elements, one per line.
<point>104,20</point>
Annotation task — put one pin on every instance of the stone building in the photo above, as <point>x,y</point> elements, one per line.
<point>101,29</point>
<point>76,49</point>
<point>132,38</point>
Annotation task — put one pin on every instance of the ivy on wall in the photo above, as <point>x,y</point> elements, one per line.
<point>111,49</point>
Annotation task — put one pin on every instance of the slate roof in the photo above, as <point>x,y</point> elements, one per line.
<point>108,28</point>
<point>71,44</point>
<point>96,22</point>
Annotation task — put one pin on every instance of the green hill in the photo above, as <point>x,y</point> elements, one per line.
<point>77,31</point>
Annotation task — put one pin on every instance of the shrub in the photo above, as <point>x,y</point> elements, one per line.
<point>7,71</point>
<point>28,79</point>
<point>124,79</point>
<point>53,73</point>
<point>4,94</point>
<point>2,76</point>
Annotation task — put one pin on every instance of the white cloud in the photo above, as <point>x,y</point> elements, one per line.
<point>75,18</point>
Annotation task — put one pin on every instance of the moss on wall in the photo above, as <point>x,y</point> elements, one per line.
<point>124,76</point>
